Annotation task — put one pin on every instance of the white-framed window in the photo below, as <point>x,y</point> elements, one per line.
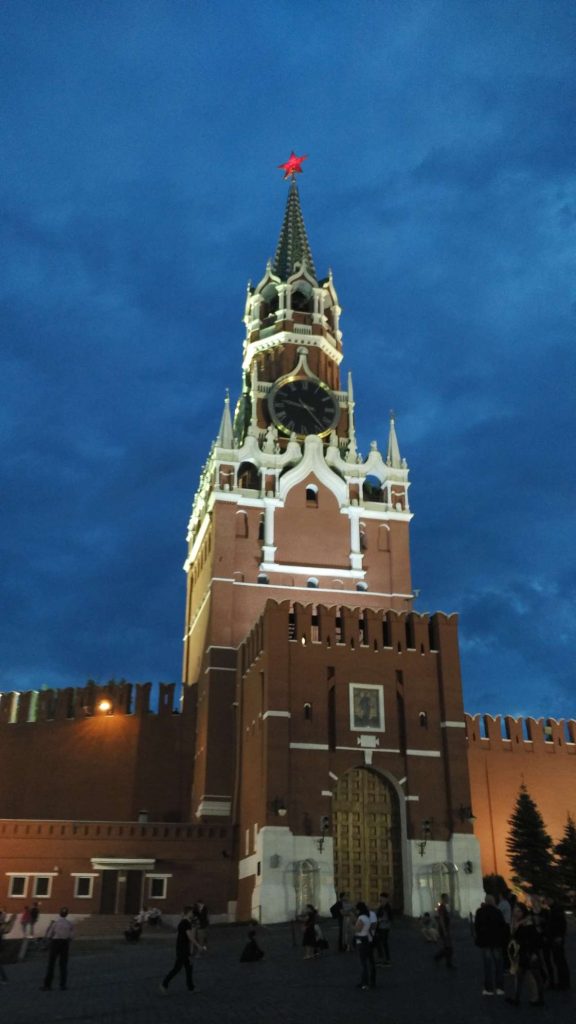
<point>157,886</point>
<point>84,886</point>
<point>42,886</point>
<point>18,886</point>
<point>366,707</point>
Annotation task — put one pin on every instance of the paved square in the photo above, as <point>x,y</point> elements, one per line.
<point>112,982</point>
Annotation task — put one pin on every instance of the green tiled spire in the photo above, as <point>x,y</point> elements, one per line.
<point>293,244</point>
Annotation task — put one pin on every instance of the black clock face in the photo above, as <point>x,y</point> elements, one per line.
<point>303,406</point>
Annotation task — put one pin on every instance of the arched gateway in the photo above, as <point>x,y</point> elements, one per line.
<point>367,848</point>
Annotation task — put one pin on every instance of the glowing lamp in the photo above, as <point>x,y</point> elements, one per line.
<point>105,705</point>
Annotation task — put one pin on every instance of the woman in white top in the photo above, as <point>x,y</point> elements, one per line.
<point>364,934</point>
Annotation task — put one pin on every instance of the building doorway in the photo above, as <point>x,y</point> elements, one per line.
<point>108,892</point>
<point>367,840</point>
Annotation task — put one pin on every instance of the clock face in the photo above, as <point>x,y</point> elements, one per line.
<point>302,406</point>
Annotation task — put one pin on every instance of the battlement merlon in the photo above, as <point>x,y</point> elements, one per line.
<point>56,704</point>
<point>517,735</point>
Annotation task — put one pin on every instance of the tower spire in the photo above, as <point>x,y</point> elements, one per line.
<point>225,435</point>
<point>393,457</point>
<point>293,246</point>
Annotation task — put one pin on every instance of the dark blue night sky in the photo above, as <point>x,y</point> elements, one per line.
<point>140,192</point>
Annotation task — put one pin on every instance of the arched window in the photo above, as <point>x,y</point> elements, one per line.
<point>302,299</point>
<point>372,489</point>
<point>248,477</point>
<point>312,496</point>
<point>383,538</point>
<point>241,524</point>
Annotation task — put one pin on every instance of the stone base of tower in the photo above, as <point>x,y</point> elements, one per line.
<point>287,871</point>
<point>284,874</point>
<point>453,867</point>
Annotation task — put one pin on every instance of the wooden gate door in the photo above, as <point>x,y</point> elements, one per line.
<point>366,828</point>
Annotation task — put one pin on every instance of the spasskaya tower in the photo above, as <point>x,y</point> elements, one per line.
<point>291,521</point>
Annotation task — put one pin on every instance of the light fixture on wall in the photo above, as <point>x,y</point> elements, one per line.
<point>426,835</point>
<point>278,806</point>
<point>105,706</point>
<point>324,830</point>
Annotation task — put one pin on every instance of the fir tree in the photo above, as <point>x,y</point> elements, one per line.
<point>565,852</point>
<point>530,848</point>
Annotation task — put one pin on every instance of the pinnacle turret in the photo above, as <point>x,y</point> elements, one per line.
<point>393,458</point>
<point>225,435</point>
<point>293,246</point>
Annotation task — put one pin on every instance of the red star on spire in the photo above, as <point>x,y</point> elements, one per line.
<point>293,165</point>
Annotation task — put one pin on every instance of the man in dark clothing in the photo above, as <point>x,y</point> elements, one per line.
<point>183,952</point>
<point>60,932</point>
<point>443,915</point>
<point>337,911</point>
<point>489,930</point>
<point>527,940</point>
<point>557,938</point>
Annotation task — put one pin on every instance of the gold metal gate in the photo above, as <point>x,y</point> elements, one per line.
<point>366,828</point>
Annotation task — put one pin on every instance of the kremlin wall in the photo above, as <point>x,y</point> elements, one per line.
<point>84,790</point>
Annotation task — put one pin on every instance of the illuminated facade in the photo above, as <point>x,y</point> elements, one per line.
<point>321,742</point>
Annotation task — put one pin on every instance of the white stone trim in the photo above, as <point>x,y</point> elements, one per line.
<point>202,530</point>
<point>452,725</point>
<point>215,807</point>
<point>313,461</point>
<point>277,714</point>
<point>385,515</point>
<point>310,746</point>
<point>200,609</point>
<point>326,792</point>
<point>123,863</point>
<point>291,338</point>
<point>377,750</point>
<point>248,866</point>
<point>218,668</point>
<point>424,753</point>
<point>304,570</point>
<point>316,590</point>
<point>413,798</point>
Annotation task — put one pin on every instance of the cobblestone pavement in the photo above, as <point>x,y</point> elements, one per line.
<point>114,983</point>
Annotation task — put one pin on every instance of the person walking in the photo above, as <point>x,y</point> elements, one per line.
<point>383,926</point>
<point>25,921</point>
<point>443,916</point>
<point>201,913</point>
<point>364,934</point>
<point>309,937</point>
<point>183,952</point>
<point>337,911</point>
<point>489,931</point>
<point>557,939</point>
<point>526,945</point>
<point>505,907</point>
<point>60,932</point>
<point>34,915</point>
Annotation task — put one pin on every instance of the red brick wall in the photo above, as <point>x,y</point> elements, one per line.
<point>502,754</point>
<point>97,766</point>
